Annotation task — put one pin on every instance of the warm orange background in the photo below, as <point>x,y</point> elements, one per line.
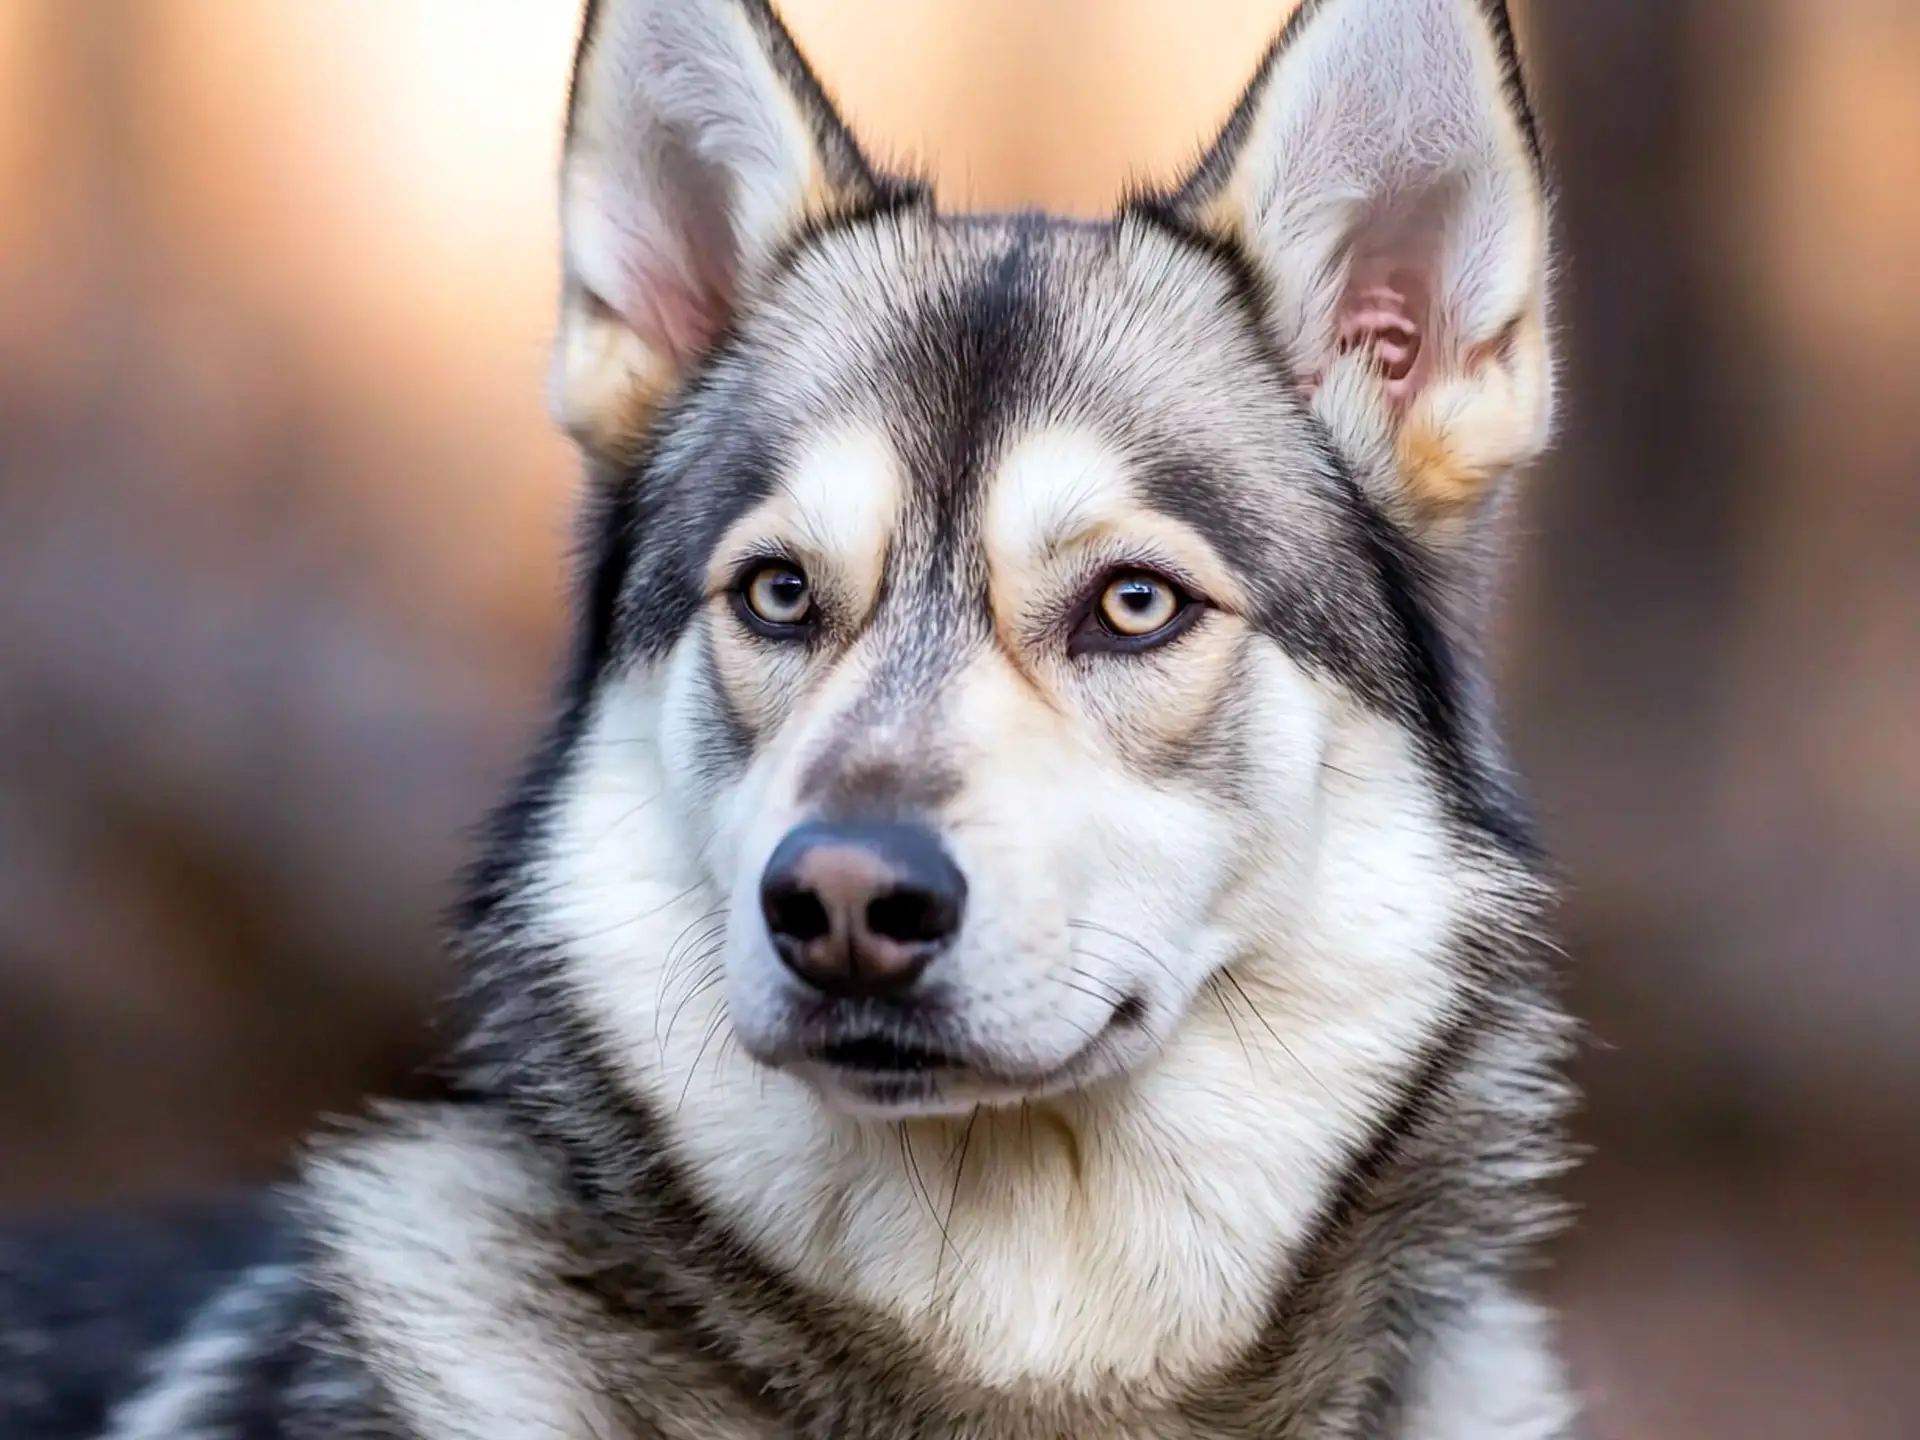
<point>282,526</point>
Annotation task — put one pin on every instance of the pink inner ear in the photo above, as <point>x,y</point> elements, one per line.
<point>677,278</point>
<point>686,315</point>
<point>1385,313</point>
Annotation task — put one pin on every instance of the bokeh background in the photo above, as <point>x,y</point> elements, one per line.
<point>282,527</point>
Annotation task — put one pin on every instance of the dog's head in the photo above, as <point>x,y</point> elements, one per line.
<point>1003,633</point>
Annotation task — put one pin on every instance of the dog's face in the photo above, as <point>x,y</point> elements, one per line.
<point>988,699</point>
<point>1014,629</point>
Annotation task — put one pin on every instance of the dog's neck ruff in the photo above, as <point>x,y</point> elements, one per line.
<point>1249,1232</point>
<point>550,1304</point>
<point>1131,1237</point>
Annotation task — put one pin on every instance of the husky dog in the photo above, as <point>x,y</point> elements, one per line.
<point>1020,927</point>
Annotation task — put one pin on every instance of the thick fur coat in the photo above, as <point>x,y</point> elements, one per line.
<point>1110,597</point>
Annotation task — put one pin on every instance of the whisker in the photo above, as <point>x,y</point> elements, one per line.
<point>688,946</point>
<point>953,1197</point>
<point>718,1020</point>
<point>621,821</point>
<point>1125,940</point>
<point>640,919</point>
<point>1226,1008</point>
<point>1254,1010</point>
<point>1112,993</point>
<point>713,977</point>
<point>925,1195</point>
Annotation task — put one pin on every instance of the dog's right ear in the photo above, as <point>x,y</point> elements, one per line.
<point>698,145</point>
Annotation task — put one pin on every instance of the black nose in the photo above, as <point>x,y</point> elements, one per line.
<point>861,909</point>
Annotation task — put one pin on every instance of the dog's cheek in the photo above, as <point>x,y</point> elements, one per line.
<point>1155,709</point>
<point>1086,849</point>
<point>1158,853</point>
<point>748,685</point>
<point>1174,834</point>
<point>706,748</point>
<point>1269,767</point>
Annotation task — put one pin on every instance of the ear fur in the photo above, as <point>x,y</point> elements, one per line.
<point>1382,177</point>
<point>699,145</point>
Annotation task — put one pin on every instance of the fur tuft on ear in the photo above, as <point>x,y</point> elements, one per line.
<point>698,145</point>
<point>1382,177</point>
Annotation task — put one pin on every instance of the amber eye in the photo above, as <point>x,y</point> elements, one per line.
<point>1133,611</point>
<point>777,596</point>
<point>1137,605</point>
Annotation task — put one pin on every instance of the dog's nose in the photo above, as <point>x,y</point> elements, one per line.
<point>861,909</point>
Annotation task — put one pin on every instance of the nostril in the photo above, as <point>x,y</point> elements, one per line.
<point>795,913</point>
<point>860,908</point>
<point>912,916</point>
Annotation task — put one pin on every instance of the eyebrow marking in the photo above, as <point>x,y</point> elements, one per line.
<point>844,492</point>
<point>1052,483</point>
<point>1064,488</point>
<point>836,506</point>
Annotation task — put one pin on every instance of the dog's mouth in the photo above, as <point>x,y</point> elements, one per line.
<point>881,1072</point>
<point>881,1055</point>
<point>885,1066</point>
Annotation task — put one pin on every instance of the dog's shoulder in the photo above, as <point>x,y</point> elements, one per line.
<point>446,1238</point>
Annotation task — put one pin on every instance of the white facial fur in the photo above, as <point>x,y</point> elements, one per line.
<point>1117,1233</point>
<point>1092,883</point>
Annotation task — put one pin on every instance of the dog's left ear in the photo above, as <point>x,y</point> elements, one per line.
<point>1383,178</point>
<point>698,145</point>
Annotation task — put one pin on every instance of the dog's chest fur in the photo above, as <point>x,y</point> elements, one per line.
<point>529,1317</point>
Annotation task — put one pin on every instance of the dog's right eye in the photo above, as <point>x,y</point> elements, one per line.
<point>775,600</point>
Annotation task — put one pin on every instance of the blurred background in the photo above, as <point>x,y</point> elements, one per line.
<point>282,529</point>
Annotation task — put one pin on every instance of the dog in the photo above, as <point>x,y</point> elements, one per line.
<point>1021,925</point>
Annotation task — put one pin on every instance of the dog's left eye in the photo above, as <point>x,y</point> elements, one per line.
<point>1135,610</point>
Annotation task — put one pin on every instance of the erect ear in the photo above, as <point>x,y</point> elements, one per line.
<point>1383,177</point>
<point>698,144</point>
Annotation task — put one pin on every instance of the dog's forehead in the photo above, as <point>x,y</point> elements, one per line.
<point>1047,356</point>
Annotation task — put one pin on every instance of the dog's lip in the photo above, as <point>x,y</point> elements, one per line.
<point>884,1054</point>
<point>876,1053</point>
